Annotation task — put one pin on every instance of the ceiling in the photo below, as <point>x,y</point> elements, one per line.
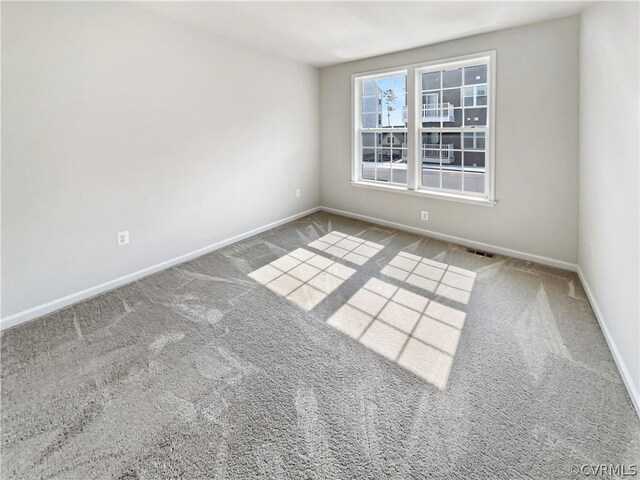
<point>322,33</point>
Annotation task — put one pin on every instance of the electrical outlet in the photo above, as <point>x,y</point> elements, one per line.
<point>424,216</point>
<point>123,238</point>
<point>298,192</point>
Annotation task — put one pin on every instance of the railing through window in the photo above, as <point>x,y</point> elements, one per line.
<point>438,112</point>
<point>435,153</point>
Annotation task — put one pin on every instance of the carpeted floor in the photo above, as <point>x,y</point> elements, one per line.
<point>371,353</point>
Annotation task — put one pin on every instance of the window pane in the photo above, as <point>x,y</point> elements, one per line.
<point>369,104</point>
<point>438,153</point>
<point>400,175</point>
<point>477,74</point>
<point>469,96</point>
<point>368,171</point>
<point>389,139</point>
<point>455,120</point>
<point>368,139</point>
<point>384,102</point>
<point>474,182</point>
<point>452,140</point>
<point>480,140</point>
<point>434,112</point>
<point>383,174</point>
<point>474,161</point>
<point>368,155</point>
<point>399,83</point>
<point>451,159</point>
<point>399,156</point>
<point>469,143</point>
<point>452,78</point>
<point>475,116</point>
<point>431,99</point>
<point>430,156</point>
<point>383,165</point>
<point>475,96</point>
<point>430,177</point>
<point>431,140</point>
<point>452,180</point>
<point>369,120</point>
<point>431,124</point>
<point>395,118</point>
<point>369,87</point>
<point>399,140</point>
<point>431,81</point>
<point>392,96</point>
<point>399,166</point>
<point>384,156</point>
<point>451,96</point>
<point>474,140</point>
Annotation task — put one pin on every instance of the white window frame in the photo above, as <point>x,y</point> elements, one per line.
<point>414,129</point>
<point>378,130</point>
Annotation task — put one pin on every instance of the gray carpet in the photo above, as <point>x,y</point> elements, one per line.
<point>201,371</point>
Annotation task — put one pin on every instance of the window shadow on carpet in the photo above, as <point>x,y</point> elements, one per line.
<point>416,332</point>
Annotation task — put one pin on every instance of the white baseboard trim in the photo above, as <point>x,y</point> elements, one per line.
<point>49,307</point>
<point>622,367</point>
<point>60,303</point>
<point>458,240</point>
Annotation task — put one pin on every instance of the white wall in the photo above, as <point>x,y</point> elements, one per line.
<point>609,156</point>
<point>115,118</point>
<point>536,144</point>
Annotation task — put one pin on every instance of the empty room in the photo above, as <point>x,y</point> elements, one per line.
<point>319,239</point>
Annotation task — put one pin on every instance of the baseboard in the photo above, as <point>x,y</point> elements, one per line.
<point>49,307</point>
<point>552,262</point>
<point>622,367</point>
<point>624,373</point>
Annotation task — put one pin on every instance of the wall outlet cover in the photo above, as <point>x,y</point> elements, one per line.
<point>123,238</point>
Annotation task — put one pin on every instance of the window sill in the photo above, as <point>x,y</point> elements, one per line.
<point>428,194</point>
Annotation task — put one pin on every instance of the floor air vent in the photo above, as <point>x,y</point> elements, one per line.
<point>480,252</point>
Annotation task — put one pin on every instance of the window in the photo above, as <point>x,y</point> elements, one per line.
<point>383,129</point>
<point>427,128</point>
